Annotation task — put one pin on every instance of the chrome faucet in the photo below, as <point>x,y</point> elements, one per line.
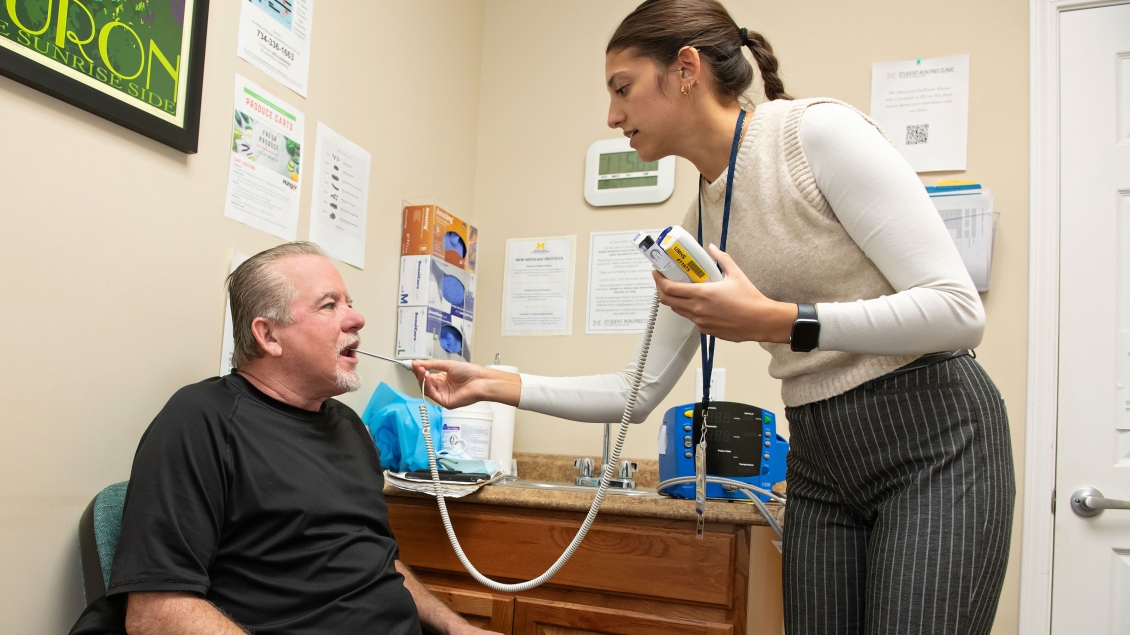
<point>621,480</point>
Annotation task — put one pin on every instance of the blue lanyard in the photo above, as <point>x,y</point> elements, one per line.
<point>708,342</point>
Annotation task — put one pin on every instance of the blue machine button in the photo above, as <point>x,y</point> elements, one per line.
<point>766,457</point>
<point>768,444</point>
<point>767,433</point>
<point>686,428</point>
<point>765,470</point>
<point>687,442</point>
<point>688,455</point>
<point>688,414</point>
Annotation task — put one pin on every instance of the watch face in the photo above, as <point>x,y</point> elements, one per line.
<point>806,334</point>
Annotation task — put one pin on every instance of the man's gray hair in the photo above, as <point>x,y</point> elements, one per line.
<point>257,289</point>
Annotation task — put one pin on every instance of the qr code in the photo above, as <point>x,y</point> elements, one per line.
<point>916,135</point>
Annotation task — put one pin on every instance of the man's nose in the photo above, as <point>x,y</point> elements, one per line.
<point>354,321</point>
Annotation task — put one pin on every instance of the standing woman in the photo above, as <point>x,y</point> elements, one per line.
<point>900,477</point>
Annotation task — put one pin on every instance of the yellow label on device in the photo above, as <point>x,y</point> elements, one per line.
<point>685,261</point>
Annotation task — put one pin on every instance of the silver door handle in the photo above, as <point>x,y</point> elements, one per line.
<point>1089,502</point>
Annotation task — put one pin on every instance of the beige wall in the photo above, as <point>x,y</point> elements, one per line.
<point>543,103</point>
<point>115,249</point>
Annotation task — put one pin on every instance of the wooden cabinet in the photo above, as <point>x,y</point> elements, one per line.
<point>631,576</point>
<point>540,617</point>
<point>485,610</point>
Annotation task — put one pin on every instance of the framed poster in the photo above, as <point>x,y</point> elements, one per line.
<point>138,63</point>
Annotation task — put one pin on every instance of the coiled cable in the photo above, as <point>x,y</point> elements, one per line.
<point>605,478</point>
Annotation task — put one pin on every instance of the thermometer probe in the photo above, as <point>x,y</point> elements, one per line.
<point>403,363</point>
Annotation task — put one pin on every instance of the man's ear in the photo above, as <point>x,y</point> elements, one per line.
<point>264,332</point>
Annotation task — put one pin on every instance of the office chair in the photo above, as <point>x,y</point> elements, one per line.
<point>98,531</point>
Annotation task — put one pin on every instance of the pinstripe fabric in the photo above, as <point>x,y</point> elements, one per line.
<point>900,504</point>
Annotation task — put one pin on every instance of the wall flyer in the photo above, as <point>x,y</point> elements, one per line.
<point>341,196</point>
<point>274,36</point>
<point>264,182</point>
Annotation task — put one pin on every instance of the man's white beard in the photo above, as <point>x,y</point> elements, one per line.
<point>346,381</point>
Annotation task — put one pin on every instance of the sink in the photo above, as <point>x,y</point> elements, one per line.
<point>639,492</point>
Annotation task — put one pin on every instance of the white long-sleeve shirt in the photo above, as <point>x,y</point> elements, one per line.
<point>879,201</point>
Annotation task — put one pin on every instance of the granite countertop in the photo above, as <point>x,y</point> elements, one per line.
<point>559,469</point>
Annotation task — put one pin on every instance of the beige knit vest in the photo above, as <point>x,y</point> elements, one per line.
<point>786,239</point>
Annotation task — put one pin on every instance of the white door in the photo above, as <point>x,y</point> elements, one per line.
<point>1091,569</point>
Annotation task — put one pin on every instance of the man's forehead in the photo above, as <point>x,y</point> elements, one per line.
<point>314,276</point>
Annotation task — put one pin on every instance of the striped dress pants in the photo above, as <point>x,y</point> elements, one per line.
<point>900,501</point>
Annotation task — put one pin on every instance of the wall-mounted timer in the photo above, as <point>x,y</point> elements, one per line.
<point>615,175</point>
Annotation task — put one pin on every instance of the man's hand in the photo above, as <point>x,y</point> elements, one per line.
<point>175,613</point>
<point>435,615</point>
<point>732,309</point>
<point>467,629</point>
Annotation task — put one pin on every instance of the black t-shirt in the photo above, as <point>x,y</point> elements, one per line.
<point>273,513</point>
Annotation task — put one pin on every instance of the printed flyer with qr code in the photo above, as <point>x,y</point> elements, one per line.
<point>923,106</point>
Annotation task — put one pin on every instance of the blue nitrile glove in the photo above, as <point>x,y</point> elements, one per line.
<point>393,419</point>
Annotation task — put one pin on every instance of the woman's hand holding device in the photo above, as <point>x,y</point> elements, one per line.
<point>457,384</point>
<point>732,309</point>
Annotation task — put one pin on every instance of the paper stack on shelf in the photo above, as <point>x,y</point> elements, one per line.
<point>967,210</point>
<point>450,489</point>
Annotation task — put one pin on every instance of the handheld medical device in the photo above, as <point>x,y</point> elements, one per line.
<point>677,256</point>
<point>742,445</point>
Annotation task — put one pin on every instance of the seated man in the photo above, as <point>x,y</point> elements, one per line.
<point>256,500</point>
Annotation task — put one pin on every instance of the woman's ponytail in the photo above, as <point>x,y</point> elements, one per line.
<point>766,63</point>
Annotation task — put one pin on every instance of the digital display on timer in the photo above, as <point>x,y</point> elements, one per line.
<point>624,169</point>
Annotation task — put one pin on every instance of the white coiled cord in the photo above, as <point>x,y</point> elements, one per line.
<point>605,478</point>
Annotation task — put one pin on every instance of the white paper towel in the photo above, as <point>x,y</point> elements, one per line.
<point>502,432</point>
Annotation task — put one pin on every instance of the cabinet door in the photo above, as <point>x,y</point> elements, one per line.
<point>484,610</point>
<point>542,617</point>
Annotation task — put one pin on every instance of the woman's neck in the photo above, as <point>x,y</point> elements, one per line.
<point>709,150</point>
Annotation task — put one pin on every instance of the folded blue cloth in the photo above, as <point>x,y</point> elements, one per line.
<point>446,460</point>
<point>393,420</point>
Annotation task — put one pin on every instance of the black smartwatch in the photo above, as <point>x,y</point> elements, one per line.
<point>806,329</point>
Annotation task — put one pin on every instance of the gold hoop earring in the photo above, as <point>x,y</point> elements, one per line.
<point>683,89</point>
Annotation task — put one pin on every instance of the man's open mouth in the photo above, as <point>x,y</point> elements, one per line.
<point>350,350</point>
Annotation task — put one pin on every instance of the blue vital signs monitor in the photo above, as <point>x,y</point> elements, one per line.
<point>741,444</point>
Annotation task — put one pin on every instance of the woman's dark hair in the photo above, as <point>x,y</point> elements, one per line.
<point>660,28</point>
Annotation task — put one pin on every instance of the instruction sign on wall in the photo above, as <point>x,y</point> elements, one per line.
<point>923,106</point>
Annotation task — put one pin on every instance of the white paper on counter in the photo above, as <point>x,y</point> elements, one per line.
<point>274,36</point>
<point>620,287</point>
<point>228,346</point>
<point>538,286</point>
<point>264,183</point>
<point>339,206</point>
<point>923,106</point>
